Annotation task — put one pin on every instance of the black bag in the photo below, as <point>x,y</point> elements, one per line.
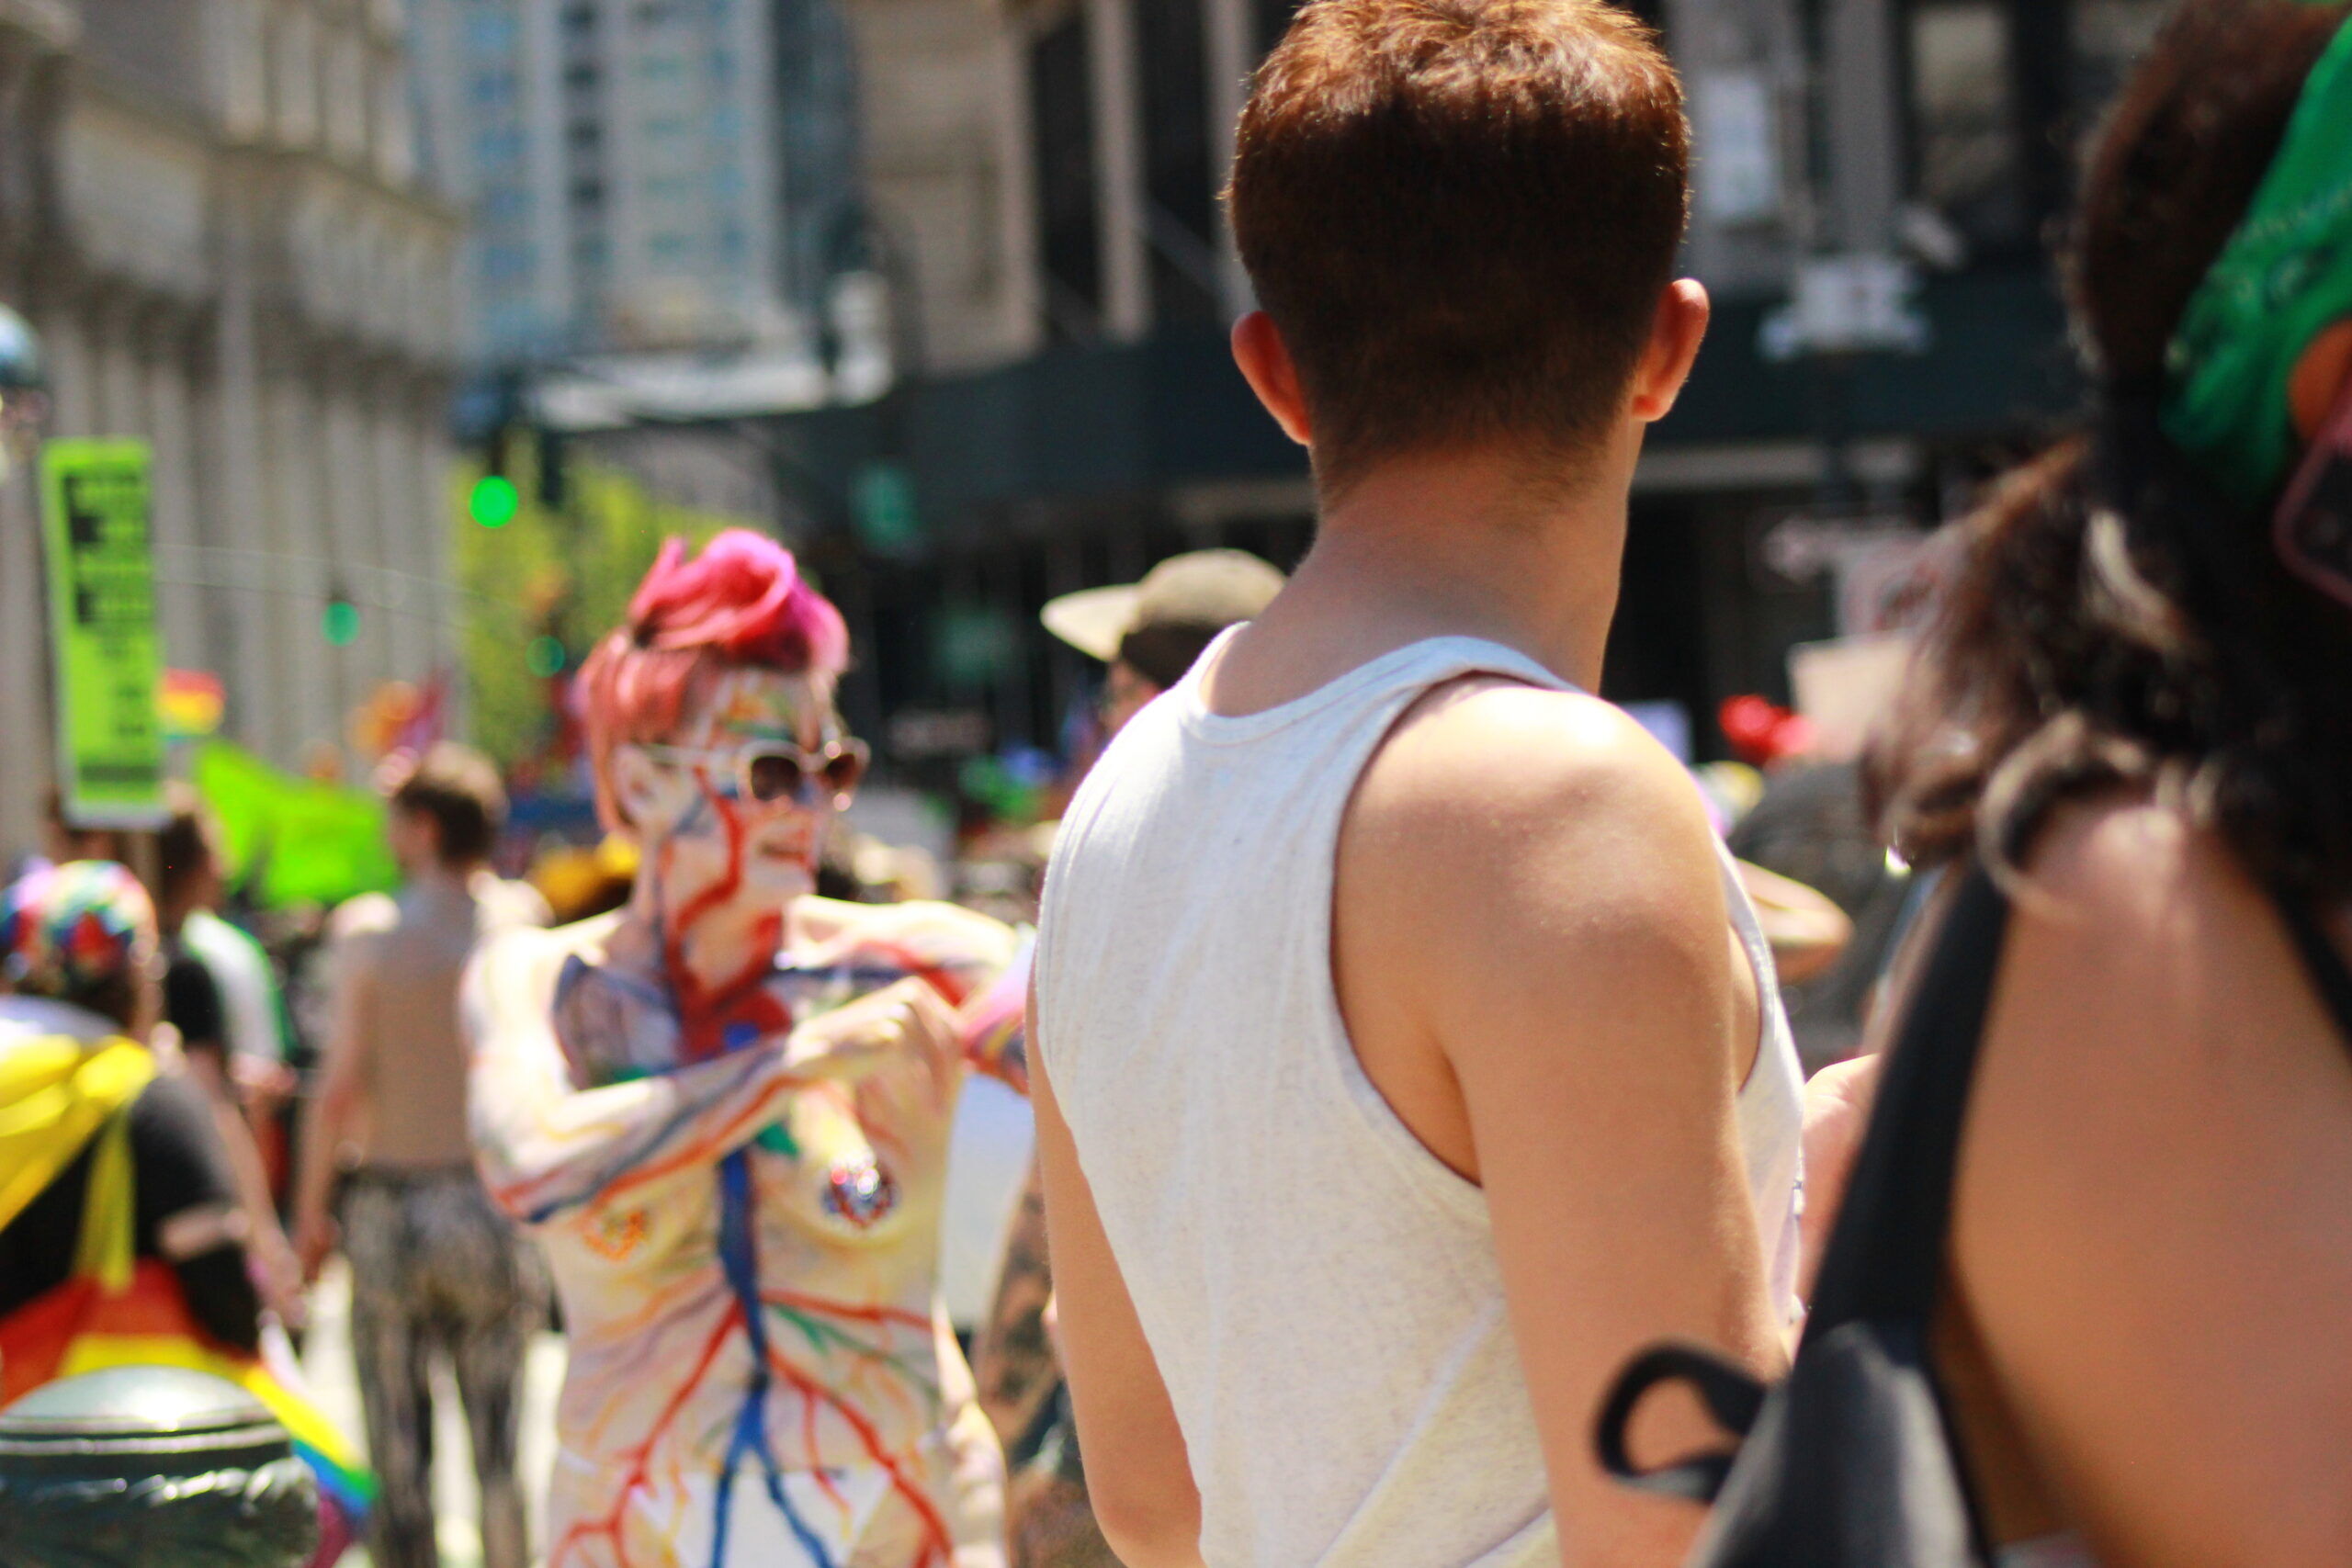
<point>1849,1461</point>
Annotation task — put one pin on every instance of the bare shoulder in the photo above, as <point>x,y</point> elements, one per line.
<point>505,904</point>
<point>523,958</point>
<point>2159,1143</point>
<point>1486,771</point>
<point>2163,929</point>
<point>357,921</point>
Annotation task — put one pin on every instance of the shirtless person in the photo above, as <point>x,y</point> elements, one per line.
<point>724,1111</point>
<point>1406,1053</point>
<point>435,1268</point>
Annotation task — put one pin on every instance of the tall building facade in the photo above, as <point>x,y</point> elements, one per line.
<point>209,211</point>
<point>641,177</point>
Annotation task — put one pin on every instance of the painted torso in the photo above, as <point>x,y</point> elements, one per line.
<point>752,1291</point>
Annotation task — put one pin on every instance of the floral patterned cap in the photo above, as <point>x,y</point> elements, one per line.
<point>67,930</point>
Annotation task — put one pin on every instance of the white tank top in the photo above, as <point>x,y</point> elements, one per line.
<point>1320,1292</point>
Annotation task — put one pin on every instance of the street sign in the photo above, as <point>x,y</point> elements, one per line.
<point>1848,304</point>
<point>104,645</point>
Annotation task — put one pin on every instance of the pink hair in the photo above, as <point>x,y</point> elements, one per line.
<point>741,604</point>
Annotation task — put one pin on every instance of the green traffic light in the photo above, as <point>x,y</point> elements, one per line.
<point>340,622</point>
<point>495,501</point>
<point>546,657</point>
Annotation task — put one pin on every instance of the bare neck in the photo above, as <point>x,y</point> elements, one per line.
<point>1449,545</point>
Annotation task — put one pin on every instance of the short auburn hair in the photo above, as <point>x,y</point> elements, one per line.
<point>457,789</point>
<point>1461,216</point>
<point>743,603</point>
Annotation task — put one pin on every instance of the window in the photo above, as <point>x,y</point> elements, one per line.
<point>1179,179</point>
<point>669,248</point>
<point>511,323</point>
<point>2111,37</point>
<point>498,145</point>
<point>506,264</point>
<point>503,203</point>
<point>490,32</point>
<point>1062,113</point>
<point>587,193</point>
<point>494,89</point>
<point>1966,122</point>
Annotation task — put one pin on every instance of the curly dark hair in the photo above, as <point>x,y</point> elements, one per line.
<point>2112,620</point>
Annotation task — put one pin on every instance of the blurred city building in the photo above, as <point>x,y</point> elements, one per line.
<point>1879,184</point>
<point>667,230</point>
<point>210,209</point>
<point>646,177</point>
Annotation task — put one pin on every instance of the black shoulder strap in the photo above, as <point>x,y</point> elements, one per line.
<point>1886,1259</point>
<point>2323,962</point>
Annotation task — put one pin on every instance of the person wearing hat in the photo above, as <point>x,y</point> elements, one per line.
<point>1150,633</point>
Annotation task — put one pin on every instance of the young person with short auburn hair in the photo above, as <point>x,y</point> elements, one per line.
<point>435,1269</point>
<point>1441,1068</point>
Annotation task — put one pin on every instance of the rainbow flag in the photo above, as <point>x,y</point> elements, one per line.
<point>192,703</point>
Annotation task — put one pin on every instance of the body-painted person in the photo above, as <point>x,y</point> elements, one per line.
<point>725,1108</point>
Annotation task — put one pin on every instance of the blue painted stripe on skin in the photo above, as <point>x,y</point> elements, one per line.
<point>738,1254</point>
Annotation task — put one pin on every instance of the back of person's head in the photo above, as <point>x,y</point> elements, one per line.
<point>457,789</point>
<point>2119,612</point>
<point>83,933</point>
<point>1461,216</point>
<point>187,851</point>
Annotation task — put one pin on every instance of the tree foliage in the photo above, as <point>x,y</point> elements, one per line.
<point>563,573</point>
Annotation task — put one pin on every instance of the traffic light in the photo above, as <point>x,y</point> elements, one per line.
<point>489,414</point>
<point>339,623</point>
<point>494,500</point>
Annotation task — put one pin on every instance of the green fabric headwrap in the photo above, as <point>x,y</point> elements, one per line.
<point>2283,278</point>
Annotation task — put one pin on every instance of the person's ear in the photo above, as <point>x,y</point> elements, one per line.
<point>1676,332</point>
<point>2320,378</point>
<point>1266,365</point>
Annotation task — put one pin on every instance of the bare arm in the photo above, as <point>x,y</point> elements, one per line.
<point>2154,1230</point>
<point>337,1113</point>
<point>549,1147</point>
<point>1538,971</point>
<point>1137,1476</point>
<point>1013,1361</point>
